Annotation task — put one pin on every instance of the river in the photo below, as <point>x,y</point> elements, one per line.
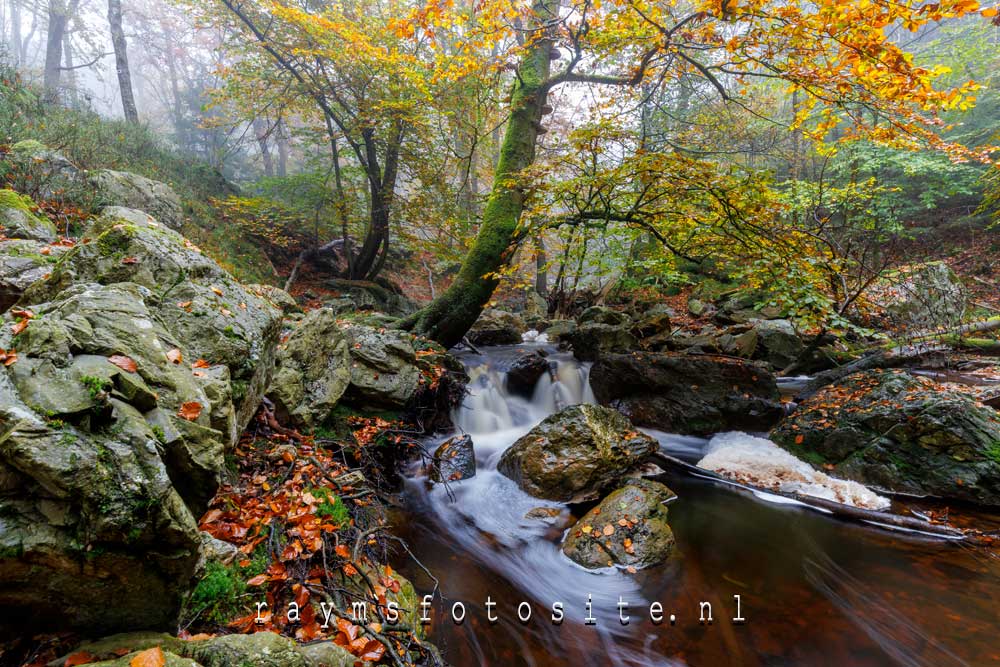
<point>813,590</point>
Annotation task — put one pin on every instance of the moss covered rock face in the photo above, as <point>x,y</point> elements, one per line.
<point>121,188</point>
<point>211,315</point>
<point>628,529</point>
<point>22,264</point>
<point>900,432</point>
<point>688,394</point>
<point>313,370</point>
<point>103,476</point>
<point>576,454</point>
<point>18,222</point>
<point>497,327</point>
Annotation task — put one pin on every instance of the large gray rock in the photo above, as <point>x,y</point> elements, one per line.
<point>18,222</point>
<point>778,343</point>
<point>210,314</point>
<point>575,454</point>
<point>627,529</point>
<point>128,190</point>
<point>900,432</point>
<point>603,315</point>
<point>22,264</point>
<point>591,341</point>
<point>497,327</point>
<point>525,372</point>
<point>102,478</point>
<point>685,393</point>
<point>313,370</point>
<point>35,168</point>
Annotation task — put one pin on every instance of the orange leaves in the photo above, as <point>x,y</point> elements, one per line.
<point>8,357</point>
<point>149,658</point>
<point>19,326</point>
<point>125,363</point>
<point>79,658</point>
<point>190,411</point>
<point>200,363</point>
<point>174,356</point>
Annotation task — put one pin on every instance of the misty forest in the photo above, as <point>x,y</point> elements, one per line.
<point>499,332</point>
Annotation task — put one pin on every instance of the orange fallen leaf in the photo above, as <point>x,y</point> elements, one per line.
<point>174,356</point>
<point>152,657</point>
<point>201,363</point>
<point>609,530</point>
<point>190,410</point>
<point>19,326</point>
<point>123,362</point>
<point>79,658</point>
<point>799,439</point>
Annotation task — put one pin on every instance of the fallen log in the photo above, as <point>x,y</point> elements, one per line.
<point>873,517</point>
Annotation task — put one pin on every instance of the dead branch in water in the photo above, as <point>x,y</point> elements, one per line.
<point>850,512</point>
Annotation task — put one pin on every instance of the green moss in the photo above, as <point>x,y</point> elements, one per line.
<point>332,507</point>
<point>96,385</point>
<point>993,452</point>
<point>217,598</point>
<point>28,148</point>
<point>11,199</point>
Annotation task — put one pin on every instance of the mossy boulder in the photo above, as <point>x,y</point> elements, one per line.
<point>497,327</point>
<point>627,529</point>
<point>687,393</point>
<point>261,649</point>
<point>592,340</point>
<point>603,315</point>
<point>18,222</point>
<point>313,370</point>
<point>210,315</point>
<point>900,432</point>
<point>128,190</point>
<point>575,454</point>
<point>23,263</point>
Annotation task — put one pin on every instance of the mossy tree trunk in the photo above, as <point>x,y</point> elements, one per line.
<point>449,317</point>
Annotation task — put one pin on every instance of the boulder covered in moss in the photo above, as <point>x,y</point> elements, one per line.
<point>128,190</point>
<point>628,528</point>
<point>211,315</point>
<point>576,454</point>
<point>261,649</point>
<point>23,263</point>
<point>900,432</point>
<point>313,370</point>
<point>108,452</point>
<point>497,327</point>
<point>18,222</point>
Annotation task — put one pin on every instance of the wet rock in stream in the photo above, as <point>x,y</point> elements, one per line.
<point>628,528</point>
<point>575,454</point>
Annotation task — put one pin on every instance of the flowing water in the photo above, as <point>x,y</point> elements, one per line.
<point>812,590</point>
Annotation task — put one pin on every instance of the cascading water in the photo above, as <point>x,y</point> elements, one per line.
<point>475,537</point>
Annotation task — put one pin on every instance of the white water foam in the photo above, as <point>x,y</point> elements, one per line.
<point>759,462</point>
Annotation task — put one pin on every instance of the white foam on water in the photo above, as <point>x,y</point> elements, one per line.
<point>759,462</point>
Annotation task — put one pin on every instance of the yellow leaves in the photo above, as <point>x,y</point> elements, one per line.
<point>149,658</point>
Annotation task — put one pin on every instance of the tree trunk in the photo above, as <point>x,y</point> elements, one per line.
<point>282,141</point>
<point>68,59</point>
<point>541,270</point>
<point>59,14</point>
<point>260,132</point>
<point>449,317</point>
<point>121,60</point>
<point>15,31</point>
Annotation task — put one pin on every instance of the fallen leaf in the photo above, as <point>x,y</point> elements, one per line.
<point>152,657</point>
<point>799,439</point>
<point>123,362</point>
<point>174,356</point>
<point>190,410</point>
<point>130,260</point>
<point>79,658</point>
<point>201,363</point>
<point>19,326</point>
<point>609,530</point>
<point>217,291</point>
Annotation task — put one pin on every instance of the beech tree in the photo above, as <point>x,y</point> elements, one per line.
<point>121,61</point>
<point>838,56</point>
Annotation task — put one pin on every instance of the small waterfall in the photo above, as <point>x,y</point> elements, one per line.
<point>489,408</point>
